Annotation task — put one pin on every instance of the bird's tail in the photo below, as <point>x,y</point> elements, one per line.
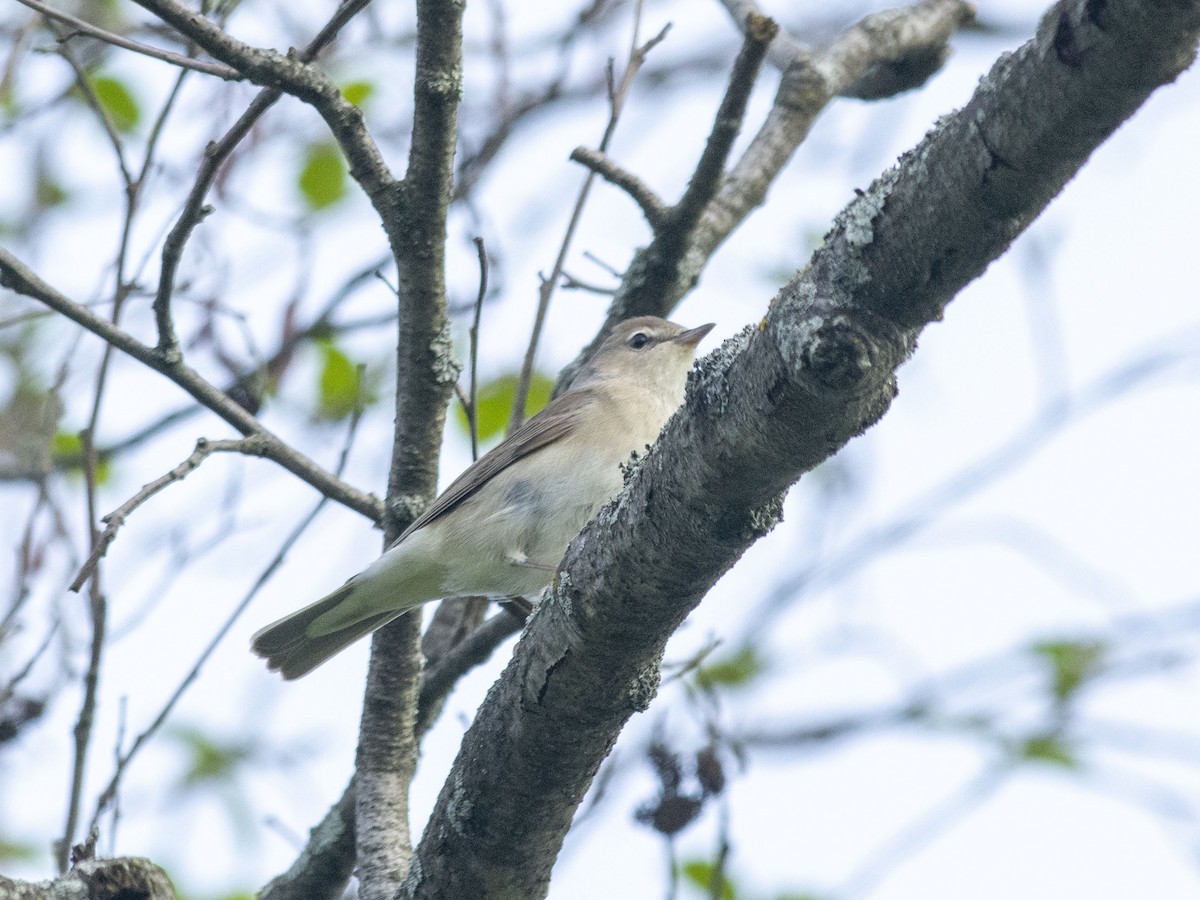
<point>291,651</point>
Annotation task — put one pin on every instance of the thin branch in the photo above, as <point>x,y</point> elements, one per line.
<point>617,97</point>
<point>16,276</point>
<point>115,519</point>
<point>472,405</point>
<point>641,193</point>
<point>473,650</point>
<point>293,75</point>
<point>240,384</point>
<point>215,155</point>
<point>414,216</point>
<point>706,178</point>
<point>110,791</point>
<point>808,84</point>
<point>84,83</point>
<point>98,607</point>
<point>175,59</point>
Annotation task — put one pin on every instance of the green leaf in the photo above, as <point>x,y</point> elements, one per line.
<point>357,92</point>
<point>700,873</point>
<point>322,179</point>
<point>1072,663</point>
<point>208,761</point>
<point>339,387</point>
<point>495,400</point>
<point>733,671</point>
<point>66,447</point>
<point>1047,748</point>
<point>118,102</point>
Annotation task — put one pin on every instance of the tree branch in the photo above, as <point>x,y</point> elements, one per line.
<point>322,869</point>
<point>115,519</point>
<point>768,406</point>
<point>294,76</point>
<point>809,83</point>
<point>710,169</point>
<point>641,193</point>
<point>426,374</point>
<point>215,155</point>
<point>16,276</point>
<point>175,59</point>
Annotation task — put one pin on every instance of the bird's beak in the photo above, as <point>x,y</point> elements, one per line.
<point>693,336</point>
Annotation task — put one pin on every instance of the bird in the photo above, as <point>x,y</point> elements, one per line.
<point>502,527</point>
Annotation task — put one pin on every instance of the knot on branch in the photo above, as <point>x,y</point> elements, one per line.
<point>761,28</point>
<point>644,688</point>
<point>837,356</point>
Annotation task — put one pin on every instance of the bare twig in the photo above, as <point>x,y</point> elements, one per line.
<point>98,607</point>
<point>115,519</point>
<point>110,791</point>
<point>84,83</point>
<point>175,59</point>
<point>616,102</point>
<point>292,74</point>
<point>215,155</point>
<point>641,193</point>
<point>474,649</point>
<point>18,277</point>
<point>472,406</point>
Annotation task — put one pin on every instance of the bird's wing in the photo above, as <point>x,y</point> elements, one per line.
<point>553,422</point>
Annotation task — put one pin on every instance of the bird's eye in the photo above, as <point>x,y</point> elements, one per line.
<point>639,340</point>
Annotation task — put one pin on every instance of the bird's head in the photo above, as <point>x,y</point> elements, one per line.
<point>645,352</point>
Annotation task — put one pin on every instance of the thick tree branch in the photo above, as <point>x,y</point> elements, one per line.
<point>16,276</point>
<point>426,374</point>
<point>767,407</point>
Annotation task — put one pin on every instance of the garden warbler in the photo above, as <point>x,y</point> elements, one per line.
<point>503,526</point>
